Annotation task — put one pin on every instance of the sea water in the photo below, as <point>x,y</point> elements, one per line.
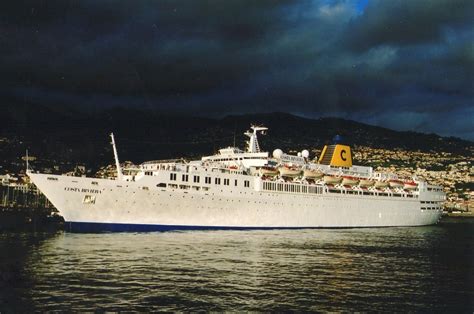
<point>372,269</point>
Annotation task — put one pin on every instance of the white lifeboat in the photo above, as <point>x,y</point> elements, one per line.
<point>348,180</point>
<point>366,183</point>
<point>268,171</point>
<point>312,174</point>
<point>395,183</point>
<point>410,185</point>
<point>332,179</point>
<point>286,171</point>
<point>381,184</point>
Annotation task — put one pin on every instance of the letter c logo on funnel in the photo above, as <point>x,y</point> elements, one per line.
<point>343,154</point>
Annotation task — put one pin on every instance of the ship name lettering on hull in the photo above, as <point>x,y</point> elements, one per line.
<point>82,190</point>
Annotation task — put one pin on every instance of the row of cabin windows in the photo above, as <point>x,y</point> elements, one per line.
<point>294,188</point>
<point>207,180</point>
<point>430,208</point>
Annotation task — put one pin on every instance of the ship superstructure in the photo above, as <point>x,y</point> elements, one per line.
<point>243,189</point>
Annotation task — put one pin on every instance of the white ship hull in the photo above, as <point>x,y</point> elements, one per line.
<point>89,204</point>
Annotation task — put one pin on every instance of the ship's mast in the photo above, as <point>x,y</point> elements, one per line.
<point>27,164</point>
<point>252,144</point>
<point>117,163</point>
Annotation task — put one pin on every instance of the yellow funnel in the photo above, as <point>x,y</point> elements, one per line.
<point>336,155</point>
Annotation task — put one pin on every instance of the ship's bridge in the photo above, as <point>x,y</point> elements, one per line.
<point>230,150</point>
<point>235,157</point>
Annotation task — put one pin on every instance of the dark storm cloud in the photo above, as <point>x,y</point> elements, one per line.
<point>401,64</point>
<point>399,22</point>
<point>105,48</point>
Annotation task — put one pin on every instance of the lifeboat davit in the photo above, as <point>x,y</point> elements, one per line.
<point>347,180</point>
<point>332,179</point>
<point>289,171</point>
<point>268,171</point>
<point>381,184</point>
<point>312,174</point>
<point>410,185</point>
<point>395,183</point>
<point>366,183</point>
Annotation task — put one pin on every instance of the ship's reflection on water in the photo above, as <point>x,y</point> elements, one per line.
<point>394,269</point>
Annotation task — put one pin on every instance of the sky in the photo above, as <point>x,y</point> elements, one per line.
<point>405,65</point>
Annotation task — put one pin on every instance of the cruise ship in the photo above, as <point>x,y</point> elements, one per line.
<point>243,189</point>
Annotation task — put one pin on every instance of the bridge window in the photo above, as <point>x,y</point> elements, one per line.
<point>196,179</point>
<point>184,178</point>
<point>173,176</point>
<point>246,183</point>
<point>226,181</point>
<point>217,181</point>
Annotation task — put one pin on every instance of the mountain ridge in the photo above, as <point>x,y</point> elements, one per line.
<point>80,137</point>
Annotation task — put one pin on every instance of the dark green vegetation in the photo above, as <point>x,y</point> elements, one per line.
<point>63,137</point>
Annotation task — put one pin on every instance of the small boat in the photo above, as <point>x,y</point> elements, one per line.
<point>381,184</point>
<point>347,180</point>
<point>312,174</point>
<point>410,185</point>
<point>395,183</point>
<point>289,171</point>
<point>366,182</point>
<point>268,171</point>
<point>332,179</point>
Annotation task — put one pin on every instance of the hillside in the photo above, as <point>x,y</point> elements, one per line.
<point>67,136</point>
